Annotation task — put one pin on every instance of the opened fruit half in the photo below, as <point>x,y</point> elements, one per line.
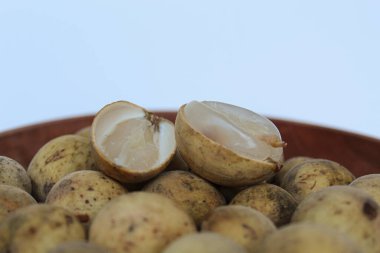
<point>131,144</point>
<point>226,144</point>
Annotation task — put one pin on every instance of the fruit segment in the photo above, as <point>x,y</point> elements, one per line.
<point>133,143</point>
<point>246,133</point>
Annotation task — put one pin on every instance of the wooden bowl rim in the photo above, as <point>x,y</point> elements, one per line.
<point>302,124</point>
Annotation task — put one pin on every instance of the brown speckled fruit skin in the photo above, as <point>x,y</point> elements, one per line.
<point>205,242</point>
<point>139,222</point>
<point>194,194</point>
<point>313,175</point>
<point>38,228</point>
<point>288,165</point>
<point>271,200</point>
<point>13,173</point>
<point>244,225</point>
<point>369,183</point>
<point>215,163</point>
<point>347,209</point>
<point>78,247</point>
<point>57,158</point>
<point>84,193</point>
<point>13,198</point>
<point>308,238</point>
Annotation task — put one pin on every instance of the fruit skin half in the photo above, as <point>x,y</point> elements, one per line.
<point>215,162</point>
<point>123,174</point>
<point>120,173</point>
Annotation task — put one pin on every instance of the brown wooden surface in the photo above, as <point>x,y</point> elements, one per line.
<point>360,154</point>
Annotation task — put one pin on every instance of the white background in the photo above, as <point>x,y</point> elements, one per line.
<point>310,61</point>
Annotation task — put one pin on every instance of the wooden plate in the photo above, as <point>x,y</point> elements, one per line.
<point>360,154</point>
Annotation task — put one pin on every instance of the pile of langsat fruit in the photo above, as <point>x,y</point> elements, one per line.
<point>215,181</point>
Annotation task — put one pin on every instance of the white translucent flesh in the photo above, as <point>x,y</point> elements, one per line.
<point>242,131</point>
<point>133,143</point>
<point>125,135</point>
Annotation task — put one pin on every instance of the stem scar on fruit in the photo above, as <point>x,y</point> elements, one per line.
<point>273,141</point>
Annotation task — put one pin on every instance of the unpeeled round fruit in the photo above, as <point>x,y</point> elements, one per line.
<point>308,238</point>
<point>288,165</point>
<point>244,225</point>
<point>57,158</point>
<point>13,198</point>
<point>313,175</point>
<point>84,193</point>
<point>78,247</point>
<point>139,222</point>
<point>38,228</point>
<point>347,209</point>
<point>271,200</point>
<point>206,242</point>
<point>370,184</point>
<point>194,194</point>
<point>13,173</point>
